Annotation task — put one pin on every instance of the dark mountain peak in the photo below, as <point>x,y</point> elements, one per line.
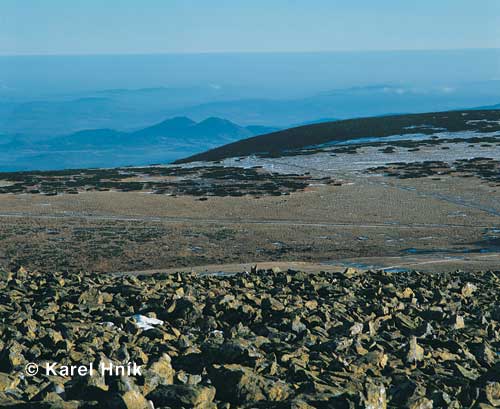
<point>167,127</point>
<point>221,126</point>
<point>178,120</point>
<point>175,122</point>
<point>215,121</point>
<point>175,133</point>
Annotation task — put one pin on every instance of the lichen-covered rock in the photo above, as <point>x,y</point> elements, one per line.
<point>492,390</point>
<point>421,403</point>
<point>188,396</point>
<point>375,396</point>
<point>235,383</point>
<point>8,382</point>
<point>159,372</point>
<point>415,351</point>
<point>129,400</point>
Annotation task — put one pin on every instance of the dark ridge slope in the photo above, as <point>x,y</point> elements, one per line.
<point>337,131</point>
<point>167,127</point>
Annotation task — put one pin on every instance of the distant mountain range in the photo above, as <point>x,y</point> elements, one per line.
<point>162,142</point>
<point>120,109</point>
<point>375,127</point>
<point>355,102</point>
<point>175,131</point>
<point>181,137</point>
<point>129,110</point>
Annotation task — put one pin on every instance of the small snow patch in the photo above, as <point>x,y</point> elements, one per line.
<point>144,322</point>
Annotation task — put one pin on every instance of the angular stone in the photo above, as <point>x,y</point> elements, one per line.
<point>159,372</point>
<point>5,276</point>
<point>421,403</point>
<point>492,391</point>
<point>129,400</point>
<point>375,396</point>
<point>356,329</point>
<point>350,272</point>
<point>468,289</point>
<point>8,381</point>
<point>415,352</point>
<point>235,383</point>
<point>459,322</point>
<point>177,396</point>
<point>298,326</point>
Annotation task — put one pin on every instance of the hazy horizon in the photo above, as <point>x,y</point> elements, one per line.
<point>325,51</point>
<point>122,66</point>
<point>277,75</point>
<point>93,26</point>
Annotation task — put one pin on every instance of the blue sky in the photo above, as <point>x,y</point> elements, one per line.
<point>172,26</point>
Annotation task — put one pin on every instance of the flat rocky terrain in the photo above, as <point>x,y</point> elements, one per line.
<point>259,339</point>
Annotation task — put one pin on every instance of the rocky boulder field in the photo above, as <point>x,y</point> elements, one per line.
<point>265,339</point>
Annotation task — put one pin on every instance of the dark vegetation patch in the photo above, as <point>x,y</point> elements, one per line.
<point>175,181</point>
<point>484,168</point>
<point>301,137</point>
<point>388,149</point>
<point>352,149</point>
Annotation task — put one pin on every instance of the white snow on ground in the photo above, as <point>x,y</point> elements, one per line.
<point>482,121</point>
<point>367,157</point>
<point>371,156</point>
<point>145,323</point>
<point>425,126</point>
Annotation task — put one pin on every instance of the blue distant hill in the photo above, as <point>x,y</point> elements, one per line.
<point>162,142</point>
<point>175,131</point>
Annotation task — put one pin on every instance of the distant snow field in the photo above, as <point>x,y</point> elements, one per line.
<point>327,161</point>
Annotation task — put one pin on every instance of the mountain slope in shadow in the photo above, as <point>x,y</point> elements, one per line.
<point>338,131</point>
